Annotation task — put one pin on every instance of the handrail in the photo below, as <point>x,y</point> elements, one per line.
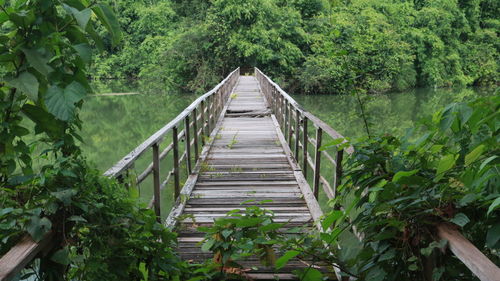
<point>126,161</point>
<point>293,120</point>
<point>204,111</point>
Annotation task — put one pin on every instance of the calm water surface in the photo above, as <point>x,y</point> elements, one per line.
<point>114,125</point>
<point>392,113</point>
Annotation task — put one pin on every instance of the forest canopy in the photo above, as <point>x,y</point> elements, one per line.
<point>308,46</point>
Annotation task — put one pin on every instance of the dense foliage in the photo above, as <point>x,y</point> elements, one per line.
<point>308,46</point>
<point>46,187</point>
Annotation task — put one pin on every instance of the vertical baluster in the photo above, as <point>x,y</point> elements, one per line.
<point>304,147</point>
<point>202,119</point>
<point>195,131</point>
<point>187,135</point>
<point>297,134</point>
<point>338,171</point>
<point>175,148</point>
<point>156,181</point>
<point>317,162</point>
<point>212,113</point>
<point>209,109</point>
<point>290,112</point>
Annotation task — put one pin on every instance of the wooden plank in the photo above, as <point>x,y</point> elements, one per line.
<point>180,203</point>
<point>22,254</point>
<point>467,253</point>
<point>307,194</point>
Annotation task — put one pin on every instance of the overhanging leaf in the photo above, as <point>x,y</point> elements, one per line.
<point>460,219</point>
<point>45,121</point>
<point>493,206</point>
<point>493,235</point>
<point>26,83</point>
<point>283,260</point>
<point>84,51</point>
<point>61,256</point>
<point>38,61</point>
<point>446,163</point>
<point>474,154</point>
<point>61,103</point>
<point>401,174</point>
<point>38,227</point>
<point>109,20</point>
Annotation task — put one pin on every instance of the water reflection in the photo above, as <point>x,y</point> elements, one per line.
<point>390,113</point>
<point>114,125</point>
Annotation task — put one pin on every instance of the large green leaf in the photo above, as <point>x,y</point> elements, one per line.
<point>61,256</point>
<point>38,61</point>
<point>61,103</point>
<point>474,154</point>
<point>447,162</point>
<point>37,227</point>
<point>493,206</point>
<point>493,235</point>
<point>106,16</point>
<point>45,122</point>
<point>26,83</point>
<point>460,219</point>
<point>84,51</point>
<point>283,260</point>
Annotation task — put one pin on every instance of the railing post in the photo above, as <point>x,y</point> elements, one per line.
<point>290,113</point>
<point>338,171</point>
<point>195,137</point>
<point>304,147</point>
<point>156,181</point>
<point>297,135</point>
<point>317,161</point>
<point>175,148</point>
<point>187,137</point>
<point>202,119</point>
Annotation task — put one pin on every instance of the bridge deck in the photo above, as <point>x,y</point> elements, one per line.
<point>247,160</point>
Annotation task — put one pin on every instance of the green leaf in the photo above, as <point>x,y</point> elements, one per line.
<point>109,20</point>
<point>311,274</point>
<point>493,206</point>
<point>474,154</point>
<point>84,51</point>
<point>401,174</point>
<point>493,236</point>
<point>26,83</point>
<point>271,227</point>
<point>77,219</point>
<point>37,227</point>
<point>460,219</point>
<point>82,17</point>
<point>38,61</point>
<point>61,256</point>
<point>207,245</point>
<point>331,218</point>
<point>65,195</point>
<point>446,163</point>
<point>61,103</point>
<point>45,122</point>
<point>248,222</point>
<point>283,260</point>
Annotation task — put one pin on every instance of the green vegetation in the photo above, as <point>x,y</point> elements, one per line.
<point>308,46</point>
<point>395,190</point>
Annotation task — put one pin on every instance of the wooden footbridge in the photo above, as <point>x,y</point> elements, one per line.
<point>244,140</point>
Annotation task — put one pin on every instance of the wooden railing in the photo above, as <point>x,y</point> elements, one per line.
<point>305,134</point>
<point>294,120</point>
<point>188,132</point>
<point>191,127</point>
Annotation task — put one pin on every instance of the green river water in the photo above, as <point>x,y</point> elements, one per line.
<point>114,125</point>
